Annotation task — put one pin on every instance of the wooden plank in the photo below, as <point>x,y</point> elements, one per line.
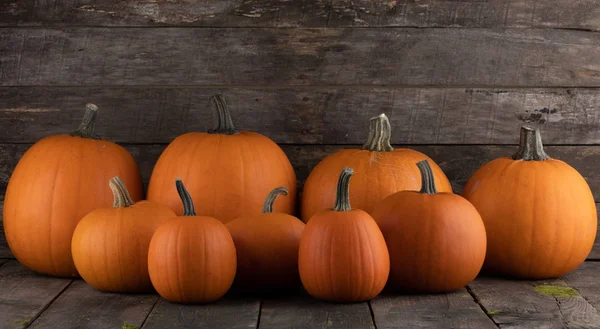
<point>316,56</point>
<point>5,252</point>
<point>585,281</point>
<point>452,310</point>
<point>321,115</point>
<point>230,313</point>
<point>3,261</point>
<point>81,306</point>
<point>24,295</point>
<point>311,13</point>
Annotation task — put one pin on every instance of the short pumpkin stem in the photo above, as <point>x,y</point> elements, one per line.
<point>270,200</point>
<point>88,123</point>
<point>342,196</point>
<point>186,199</point>
<point>121,195</point>
<point>224,122</point>
<point>380,133</point>
<point>427,179</point>
<point>530,146</point>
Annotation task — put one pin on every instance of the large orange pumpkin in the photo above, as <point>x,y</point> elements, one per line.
<point>228,172</point>
<point>57,181</point>
<point>343,256</point>
<point>539,213</point>
<point>436,240</point>
<point>380,171</point>
<point>110,245</point>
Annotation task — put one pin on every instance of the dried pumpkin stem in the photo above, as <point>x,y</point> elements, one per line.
<point>342,197</point>
<point>88,123</point>
<point>380,133</point>
<point>530,146</point>
<point>427,179</point>
<point>186,199</point>
<point>224,122</point>
<point>121,195</point>
<point>270,200</point>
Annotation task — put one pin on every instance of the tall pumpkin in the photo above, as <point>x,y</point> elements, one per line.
<point>227,172</point>
<point>380,171</point>
<point>539,212</point>
<point>57,181</point>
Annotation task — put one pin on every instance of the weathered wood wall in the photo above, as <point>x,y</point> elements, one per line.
<point>456,78</point>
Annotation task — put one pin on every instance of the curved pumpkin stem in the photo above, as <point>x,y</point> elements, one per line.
<point>380,133</point>
<point>427,179</point>
<point>121,195</point>
<point>224,122</point>
<point>186,199</point>
<point>88,123</point>
<point>530,146</point>
<point>342,197</point>
<point>270,200</point>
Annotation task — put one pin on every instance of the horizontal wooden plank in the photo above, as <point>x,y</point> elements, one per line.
<point>322,115</point>
<point>304,56</point>
<point>5,252</point>
<point>310,13</point>
<point>585,281</point>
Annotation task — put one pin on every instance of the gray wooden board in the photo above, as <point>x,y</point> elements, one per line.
<point>83,307</point>
<point>303,56</point>
<point>308,115</point>
<point>24,294</point>
<point>4,250</point>
<point>451,310</point>
<point>284,13</point>
<point>227,313</point>
<point>586,280</point>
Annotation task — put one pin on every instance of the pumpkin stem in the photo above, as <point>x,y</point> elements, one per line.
<point>121,196</point>
<point>224,122</point>
<point>186,199</point>
<point>270,200</point>
<point>427,179</point>
<point>530,146</point>
<point>342,196</point>
<point>380,133</point>
<point>88,123</point>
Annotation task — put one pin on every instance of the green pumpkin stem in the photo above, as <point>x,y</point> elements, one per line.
<point>530,146</point>
<point>224,123</point>
<point>88,123</point>
<point>121,196</point>
<point>270,200</point>
<point>427,179</point>
<point>380,133</point>
<point>186,199</point>
<point>342,196</point>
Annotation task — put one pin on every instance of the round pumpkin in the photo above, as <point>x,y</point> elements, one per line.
<point>191,258</point>
<point>343,256</point>
<point>539,212</point>
<point>59,180</point>
<point>267,249</point>
<point>436,240</point>
<point>380,171</point>
<point>228,172</point>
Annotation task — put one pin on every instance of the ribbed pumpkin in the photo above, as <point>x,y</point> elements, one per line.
<point>436,240</point>
<point>110,245</point>
<point>228,172</point>
<point>57,181</point>
<point>539,212</point>
<point>343,256</point>
<point>267,249</point>
<point>191,259</point>
<point>380,171</point>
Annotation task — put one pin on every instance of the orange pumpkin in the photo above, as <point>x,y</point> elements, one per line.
<point>436,240</point>
<point>380,171</point>
<point>57,181</point>
<point>343,256</point>
<point>539,213</point>
<point>228,172</point>
<point>267,248</point>
<point>191,259</point>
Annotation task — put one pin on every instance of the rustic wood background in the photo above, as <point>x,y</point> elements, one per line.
<point>456,77</point>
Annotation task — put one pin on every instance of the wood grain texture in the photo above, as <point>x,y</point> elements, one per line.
<point>24,294</point>
<point>81,306</point>
<point>585,280</point>
<point>310,13</point>
<point>228,313</point>
<point>4,250</point>
<point>304,56</point>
